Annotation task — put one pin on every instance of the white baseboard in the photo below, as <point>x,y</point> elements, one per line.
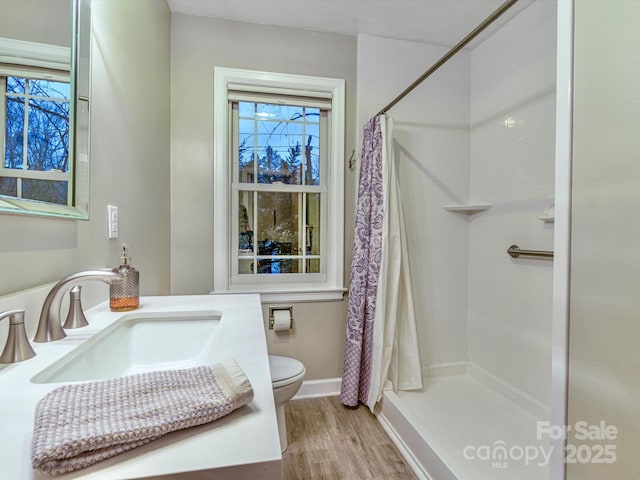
<point>327,387</point>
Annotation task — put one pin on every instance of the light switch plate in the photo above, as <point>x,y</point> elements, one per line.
<point>112,216</point>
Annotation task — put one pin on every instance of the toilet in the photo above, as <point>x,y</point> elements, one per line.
<point>286,377</point>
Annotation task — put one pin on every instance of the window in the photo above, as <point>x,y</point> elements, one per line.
<point>279,150</point>
<point>35,140</point>
<point>35,114</point>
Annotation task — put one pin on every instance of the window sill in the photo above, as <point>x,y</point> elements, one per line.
<point>22,206</point>
<point>302,296</point>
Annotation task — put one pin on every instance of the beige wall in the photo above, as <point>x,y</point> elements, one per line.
<point>604,364</point>
<point>42,21</point>
<point>197,46</point>
<point>129,161</point>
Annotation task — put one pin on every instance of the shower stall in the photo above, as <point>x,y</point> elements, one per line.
<point>477,143</point>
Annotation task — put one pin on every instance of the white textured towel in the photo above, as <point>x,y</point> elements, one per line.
<point>78,425</point>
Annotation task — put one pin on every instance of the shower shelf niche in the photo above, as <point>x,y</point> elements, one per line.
<point>468,208</point>
<point>549,215</point>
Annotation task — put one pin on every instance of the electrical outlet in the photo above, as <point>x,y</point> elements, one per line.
<point>112,216</point>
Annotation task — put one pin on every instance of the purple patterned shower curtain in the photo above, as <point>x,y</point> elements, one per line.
<point>365,267</point>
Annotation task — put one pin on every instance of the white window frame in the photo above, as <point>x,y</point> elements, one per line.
<point>332,288</point>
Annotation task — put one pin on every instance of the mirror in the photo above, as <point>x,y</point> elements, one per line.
<point>44,107</point>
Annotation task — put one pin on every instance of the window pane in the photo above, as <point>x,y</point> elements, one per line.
<point>9,186</point>
<point>245,219</point>
<point>16,85</point>
<point>312,155</point>
<point>313,265</point>
<point>14,133</point>
<point>48,143</point>
<point>246,150</point>
<point>267,111</point>
<point>245,267</point>
<point>278,223</point>
<point>247,109</point>
<point>45,190</point>
<point>46,88</point>
<point>279,152</point>
<point>312,239</point>
<point>277,265</point>
<point>312,115</point>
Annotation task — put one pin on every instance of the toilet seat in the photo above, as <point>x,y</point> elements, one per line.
<point>285,370</point>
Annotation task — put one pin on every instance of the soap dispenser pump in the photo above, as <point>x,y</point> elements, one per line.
<point>124,294</point>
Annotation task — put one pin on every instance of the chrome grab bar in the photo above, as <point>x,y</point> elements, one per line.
<point>515,252</point>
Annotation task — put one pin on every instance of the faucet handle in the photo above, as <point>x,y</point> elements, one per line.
<point>75,317</point>
<point>17,347</point>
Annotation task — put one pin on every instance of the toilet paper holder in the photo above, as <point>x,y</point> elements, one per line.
<point>274,308</point>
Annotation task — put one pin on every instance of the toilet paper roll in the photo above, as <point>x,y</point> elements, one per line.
<point>281,320</point>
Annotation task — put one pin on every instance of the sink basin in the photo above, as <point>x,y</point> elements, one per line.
<point>138,343</point>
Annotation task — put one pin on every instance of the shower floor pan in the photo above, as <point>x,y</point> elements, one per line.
<point>458,428</point>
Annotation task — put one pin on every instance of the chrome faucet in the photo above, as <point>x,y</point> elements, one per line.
<point>50,326</point>
<point>17,347</point>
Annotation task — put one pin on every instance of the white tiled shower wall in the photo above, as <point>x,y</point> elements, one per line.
<point>473,302</point>
<point>512,168</point>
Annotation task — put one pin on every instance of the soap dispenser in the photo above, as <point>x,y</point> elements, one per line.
<point>124,294</point>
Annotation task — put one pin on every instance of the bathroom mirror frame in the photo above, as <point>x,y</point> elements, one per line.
<point>79,74</point>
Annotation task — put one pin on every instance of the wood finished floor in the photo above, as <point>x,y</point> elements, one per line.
<point>329,441</point>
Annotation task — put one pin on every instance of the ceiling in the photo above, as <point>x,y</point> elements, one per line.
<point>439,22</point>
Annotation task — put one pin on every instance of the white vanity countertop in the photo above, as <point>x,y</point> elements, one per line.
<point>242,445</point>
